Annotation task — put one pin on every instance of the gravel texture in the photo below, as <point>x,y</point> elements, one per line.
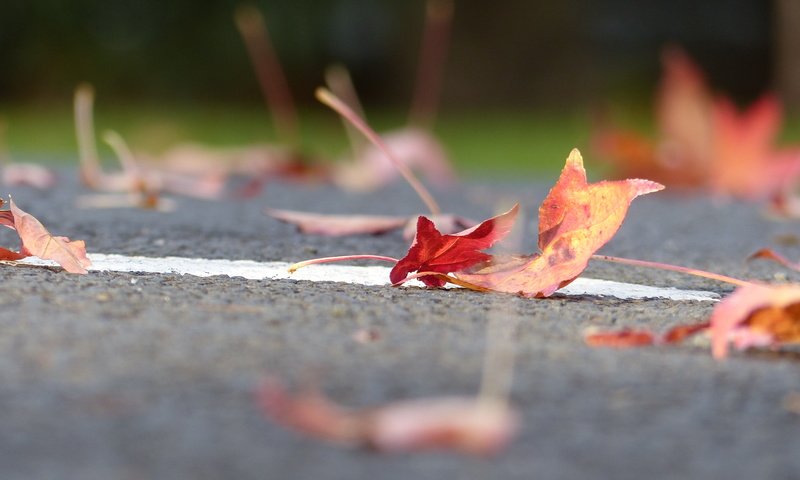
<point>134,376</point>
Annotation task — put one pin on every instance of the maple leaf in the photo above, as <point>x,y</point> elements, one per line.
<point>681,154</point>
<point>575,220</point>
<point>706,142</point>
<point>37,241</point>
<point>466,425</point>
<point>431,251</point>
<point>745,162</point>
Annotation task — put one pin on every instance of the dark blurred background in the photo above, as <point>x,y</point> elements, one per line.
<point>522,81</point>
<point>509,53</point>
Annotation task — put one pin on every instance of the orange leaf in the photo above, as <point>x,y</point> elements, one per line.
<point>683,114</point>
<point>681,154</point>
<point>621,339</point>
<point>639,338</point>
<point>756,315</point>
<point>746,163</point>
<point>448,423</point>
<point>575,220</point>
<point>37,241</point>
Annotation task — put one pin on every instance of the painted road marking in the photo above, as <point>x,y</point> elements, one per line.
<point>359,275</point>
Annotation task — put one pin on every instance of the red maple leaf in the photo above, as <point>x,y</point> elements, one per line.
<point>433,252</point>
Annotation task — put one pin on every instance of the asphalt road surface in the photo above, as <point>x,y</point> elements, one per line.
<point>138,376</point>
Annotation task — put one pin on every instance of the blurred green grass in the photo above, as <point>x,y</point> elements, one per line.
<point>493,144</point>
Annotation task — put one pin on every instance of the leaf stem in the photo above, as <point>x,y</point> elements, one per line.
<point>325,96</point>
<point>674,268</point>
<point>342,258</point>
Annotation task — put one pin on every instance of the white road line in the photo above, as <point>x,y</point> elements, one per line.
<point>360,275</point>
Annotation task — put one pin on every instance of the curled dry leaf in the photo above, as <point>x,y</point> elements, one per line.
<point>640,338</point>
<point>460,424</point>
<point>575,220</point>
<point>337,225</point>
<point>432,251</point>
<point>343,225</point>
<point>37,241</point>
<point>756,316</point>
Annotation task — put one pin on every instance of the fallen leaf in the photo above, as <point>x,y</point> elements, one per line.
<point>337,225</point>
<point>431,251</point>
<point>683,116</point>
<point>464,425</point>
<point>575,220</point>
<point>621,339</point>
<point>639,338</point>
<point>769,254</point>
<point>745,161</point>
<point>756,316</point>
<point>707,143</point>
<point>332,225</point>
<point>37,241</point>
<point>681,154</point>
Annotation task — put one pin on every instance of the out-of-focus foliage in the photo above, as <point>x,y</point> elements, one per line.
<point>510,53</point>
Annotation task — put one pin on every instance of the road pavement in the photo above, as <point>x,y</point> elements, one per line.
<point>142,375</point>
